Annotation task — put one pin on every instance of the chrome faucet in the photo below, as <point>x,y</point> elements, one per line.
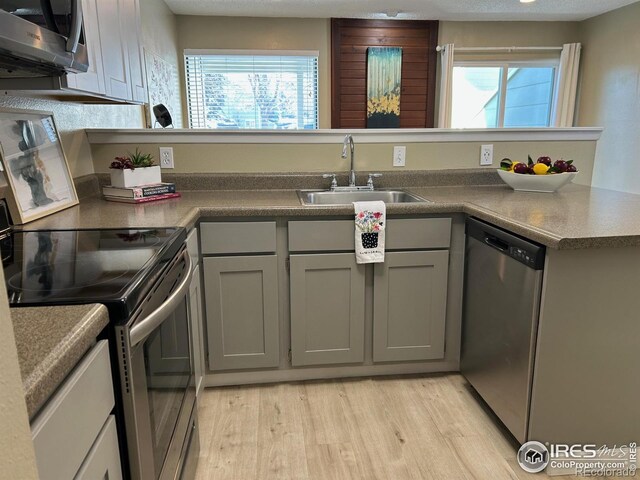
<point>348,141</point>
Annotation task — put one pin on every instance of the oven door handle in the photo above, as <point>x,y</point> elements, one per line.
<point>141,330</point>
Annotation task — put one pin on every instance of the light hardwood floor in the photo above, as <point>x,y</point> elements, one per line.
<point>389,428</point>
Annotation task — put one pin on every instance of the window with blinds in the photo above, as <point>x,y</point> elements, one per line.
<point>252,90</point>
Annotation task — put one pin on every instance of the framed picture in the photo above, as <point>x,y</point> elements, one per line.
<point>34,165</point>
<point>384,83</point>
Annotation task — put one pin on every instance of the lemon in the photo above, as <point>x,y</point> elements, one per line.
<point>540,169</point>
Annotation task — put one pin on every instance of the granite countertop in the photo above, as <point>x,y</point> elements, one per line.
<point>50,342</point>
<point>575,217</point>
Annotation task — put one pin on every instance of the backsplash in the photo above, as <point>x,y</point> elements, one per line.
<point>71,120</point>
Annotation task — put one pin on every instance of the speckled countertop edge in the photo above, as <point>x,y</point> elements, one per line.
<point>44,365</point>
<point>578,218</point>
<point>535,234</point>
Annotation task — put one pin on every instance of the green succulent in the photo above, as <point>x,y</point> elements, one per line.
<point>141,160</point>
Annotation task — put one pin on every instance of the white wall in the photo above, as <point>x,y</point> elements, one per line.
<point>17,459</point>
<point>160,39</point>
<point>610,95</point>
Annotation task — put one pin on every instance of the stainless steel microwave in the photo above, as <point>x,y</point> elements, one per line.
<point>41,38</point>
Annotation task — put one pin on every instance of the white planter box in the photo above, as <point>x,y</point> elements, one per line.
<point>132,178</point>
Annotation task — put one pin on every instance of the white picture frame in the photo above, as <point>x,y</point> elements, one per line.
<point>34,165</point>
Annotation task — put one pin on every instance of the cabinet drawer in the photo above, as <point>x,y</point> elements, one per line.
<point>410,233</point>
<point>321,235</point>
<point>237,237</point>
<point>67,427</point>
<point>338,235</point>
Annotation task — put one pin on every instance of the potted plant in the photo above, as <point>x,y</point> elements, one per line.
<point>369,224</point>
<point>133,170</point>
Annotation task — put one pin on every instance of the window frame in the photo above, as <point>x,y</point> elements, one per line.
<point>253,53</point>
<point>505,65</point>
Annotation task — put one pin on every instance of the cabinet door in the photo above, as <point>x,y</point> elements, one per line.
<point>103,461</point>
<point>195,320</point>
<point>93,79</point>
<point>327,309</point>
<point>131,21</point>
<point>113,43</point>
<point>409,310</point>
<point>241,299</point>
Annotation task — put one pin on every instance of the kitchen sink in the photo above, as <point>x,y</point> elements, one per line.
<point>327,197</point>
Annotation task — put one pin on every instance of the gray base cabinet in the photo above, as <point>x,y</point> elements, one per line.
<point>409,312</point>
<point>74,433</point>
<point>327,309</point>
<point>103,461</point>
<point>241,300</point>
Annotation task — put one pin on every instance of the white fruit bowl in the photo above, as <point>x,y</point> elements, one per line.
<point>536,183</point>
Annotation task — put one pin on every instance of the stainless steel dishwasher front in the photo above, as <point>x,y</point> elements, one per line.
<point>503,280</point>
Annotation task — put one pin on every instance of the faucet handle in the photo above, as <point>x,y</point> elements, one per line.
<point>371,177</point>
<point>332,176</point>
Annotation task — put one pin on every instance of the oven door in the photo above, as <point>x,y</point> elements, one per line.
<point>157,379</point>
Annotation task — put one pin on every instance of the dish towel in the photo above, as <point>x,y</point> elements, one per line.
<point>370,221</point>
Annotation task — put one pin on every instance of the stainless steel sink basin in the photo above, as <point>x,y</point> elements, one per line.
<point>326,197</point>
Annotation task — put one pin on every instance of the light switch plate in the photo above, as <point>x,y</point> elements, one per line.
<point>399,156</point>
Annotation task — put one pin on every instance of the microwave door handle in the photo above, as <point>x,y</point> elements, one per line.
<point>141,330</point>
<point>76,26</point>
<point>49,18</point>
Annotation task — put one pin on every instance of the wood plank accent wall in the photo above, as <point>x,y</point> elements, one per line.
<point>350,39</point>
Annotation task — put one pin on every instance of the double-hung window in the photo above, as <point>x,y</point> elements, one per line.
<point>495,94</point>
<point>252,89</point>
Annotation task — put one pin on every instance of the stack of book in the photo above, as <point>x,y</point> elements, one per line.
<point>141,194</point>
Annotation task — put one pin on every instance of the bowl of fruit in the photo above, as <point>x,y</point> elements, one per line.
<point>541,176</point>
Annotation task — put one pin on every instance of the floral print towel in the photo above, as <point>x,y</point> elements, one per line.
<point>370,222</point>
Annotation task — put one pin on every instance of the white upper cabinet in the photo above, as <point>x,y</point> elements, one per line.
<point>133,37</point>
<point>93,79</point>
<point>116,68</point>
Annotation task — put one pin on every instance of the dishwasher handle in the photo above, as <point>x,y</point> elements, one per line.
<point>496,243</point>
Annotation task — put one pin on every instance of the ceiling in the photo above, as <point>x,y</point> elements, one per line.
<point>476,10</point>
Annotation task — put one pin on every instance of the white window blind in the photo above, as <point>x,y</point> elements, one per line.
<point>252,90</point>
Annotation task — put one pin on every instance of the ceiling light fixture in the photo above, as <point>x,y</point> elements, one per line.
<point>527,1</point>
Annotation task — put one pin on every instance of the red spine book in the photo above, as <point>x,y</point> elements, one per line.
<point>154,198</point>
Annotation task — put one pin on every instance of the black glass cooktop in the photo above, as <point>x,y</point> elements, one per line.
<point>65,267</point>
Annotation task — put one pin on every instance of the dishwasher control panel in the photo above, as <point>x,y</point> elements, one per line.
<point>524,256</point>
<point>520,249</point>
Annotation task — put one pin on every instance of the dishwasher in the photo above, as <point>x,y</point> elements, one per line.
<point>503,282</point>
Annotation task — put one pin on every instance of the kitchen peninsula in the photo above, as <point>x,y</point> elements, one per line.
<point>586,331</point>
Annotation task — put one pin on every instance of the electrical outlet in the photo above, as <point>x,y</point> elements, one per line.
<point>399,156</point>
<point>486,155</point>
<point>166,157</point>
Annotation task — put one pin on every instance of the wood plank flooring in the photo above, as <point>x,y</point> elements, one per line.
<point>385,428</point>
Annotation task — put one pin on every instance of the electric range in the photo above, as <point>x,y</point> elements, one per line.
<point>67,267</point>
<point>142,276</point>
